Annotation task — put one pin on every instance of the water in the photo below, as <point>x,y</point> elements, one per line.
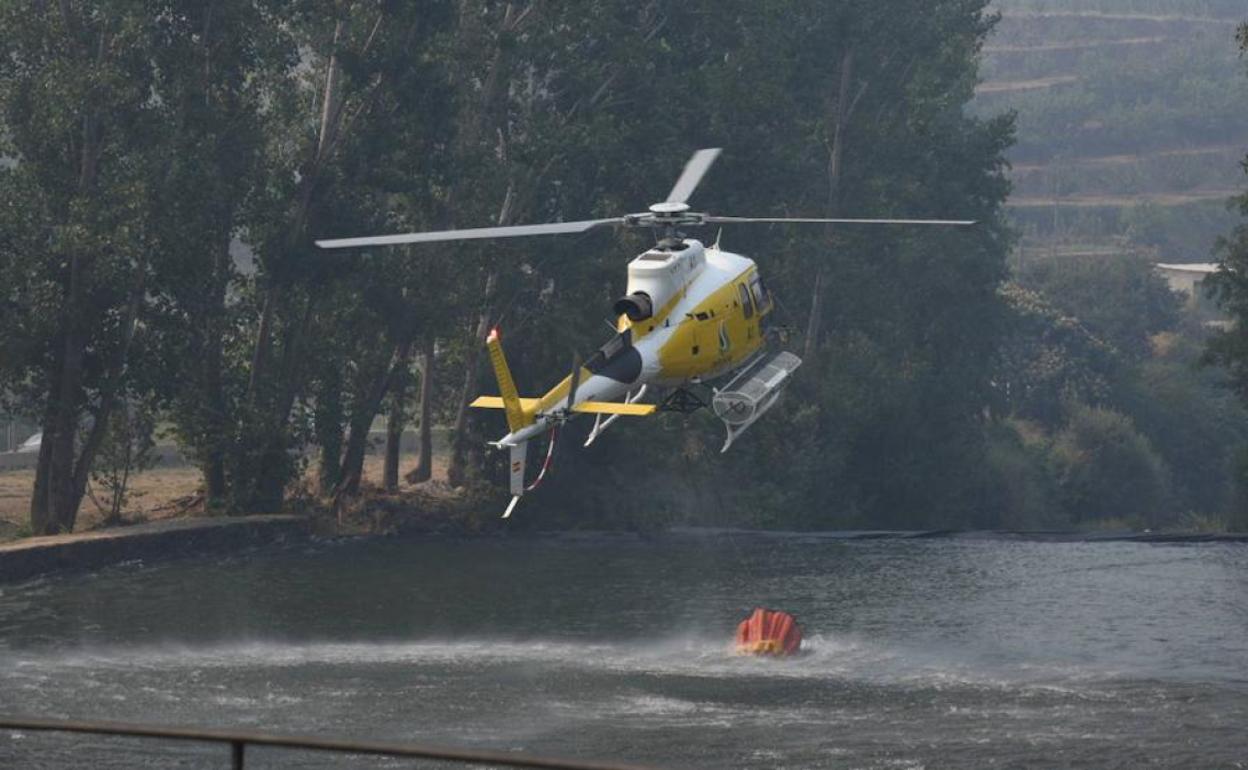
<point>922,653</point>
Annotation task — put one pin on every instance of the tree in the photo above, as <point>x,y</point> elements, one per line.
<point>276,122</point>
<point>332,135</point>
<point>75,101</point>
<point>1230,287</point>
<point>1106,469</point>
<point>216,66</point>
<point>1049,360</point>
<point>906,330</point>
<point>1119,298</point>
<point>126,450</point>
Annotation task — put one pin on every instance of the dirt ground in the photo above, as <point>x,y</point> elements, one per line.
<point>158,493</point>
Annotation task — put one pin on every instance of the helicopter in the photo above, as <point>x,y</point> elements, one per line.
<point>692,314</point>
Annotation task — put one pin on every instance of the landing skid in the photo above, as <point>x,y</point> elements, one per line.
<point>600,424</point>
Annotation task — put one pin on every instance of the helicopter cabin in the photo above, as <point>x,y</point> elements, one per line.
<point>657,277</point>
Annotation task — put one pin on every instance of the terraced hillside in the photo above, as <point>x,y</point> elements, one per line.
<point>1132,120</point>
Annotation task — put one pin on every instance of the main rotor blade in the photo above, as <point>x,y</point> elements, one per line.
<point>553,228</point>
<point>810,221</point>
<point>693,173</point>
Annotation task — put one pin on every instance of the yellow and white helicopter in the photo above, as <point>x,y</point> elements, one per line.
<point>691,314</point>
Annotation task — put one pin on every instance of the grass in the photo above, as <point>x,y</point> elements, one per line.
<point>159,493</point>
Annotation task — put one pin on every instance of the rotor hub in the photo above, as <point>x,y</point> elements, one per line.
<point>669,208</point>
<point>667,216</point>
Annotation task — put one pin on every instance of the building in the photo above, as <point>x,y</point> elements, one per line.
<point>1188,279</point>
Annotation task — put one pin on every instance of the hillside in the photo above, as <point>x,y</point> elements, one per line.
<point>1130,121</point>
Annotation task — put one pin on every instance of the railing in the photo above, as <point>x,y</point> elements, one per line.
<point>239,740</point>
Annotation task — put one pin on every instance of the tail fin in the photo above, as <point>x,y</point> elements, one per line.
<point>517,418</point>
<point>519,453</point>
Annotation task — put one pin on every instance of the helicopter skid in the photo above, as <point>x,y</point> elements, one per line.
<point>753,392</point>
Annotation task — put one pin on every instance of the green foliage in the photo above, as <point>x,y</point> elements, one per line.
<point>126,450</point>
<point>1178,233</point>
<point>1172,85</point>
<point>275,123</point>
<point>1229,286</point>
<point>1020,487</point>
<point>80,211</point>
<point>1229,346</point>
<point>933,391</point>
<point>1049,359</point>
<point>1119,298</point>
<point>881,428</point>
<point>1106,469</point>
<point>1195,424</point>
<point>1129,121</point>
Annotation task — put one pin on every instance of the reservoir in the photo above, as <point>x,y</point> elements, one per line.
<point>962,653</point>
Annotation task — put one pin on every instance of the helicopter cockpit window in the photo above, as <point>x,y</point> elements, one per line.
<point>762,300</point>
<point>746,306</point>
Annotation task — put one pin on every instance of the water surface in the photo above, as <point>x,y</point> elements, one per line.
<point>921,653</point>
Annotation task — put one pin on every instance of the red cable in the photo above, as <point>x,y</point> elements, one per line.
<point>550,453</point>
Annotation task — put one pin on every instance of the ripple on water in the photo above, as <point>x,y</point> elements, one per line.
<point>823,658</point>
<point>918,653</point>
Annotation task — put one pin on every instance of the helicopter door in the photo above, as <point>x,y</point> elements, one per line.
<point>747,306</point>
<point>748,309</point>
<point>762,299</point>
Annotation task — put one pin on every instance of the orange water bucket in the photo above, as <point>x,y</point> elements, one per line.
<point>768,632</point>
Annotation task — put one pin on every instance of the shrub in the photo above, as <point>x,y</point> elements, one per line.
<point>1105,468</point>
<point>1021,491</point>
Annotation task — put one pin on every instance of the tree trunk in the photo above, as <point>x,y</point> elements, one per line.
<point>394,443</point>
<point>214,393</point>
<point>394,427</point>
<point>58,508</point>
<point>110,391</point>
<point>816,314</point>
<point>40,511</point>
<point>839,118</point>
<point>424,465</point>
<point>269,479</point>
<point>274,461</point>
<point>67,468</point>
<point>839,113</point>
<point>362,421</point>
<point>60,431</point>
<point>327,423</point>
<point>264,332</point>
<point>487,120</point>
<point>456,471</point>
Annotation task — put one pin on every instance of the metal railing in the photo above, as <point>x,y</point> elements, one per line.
<point>239,740</point>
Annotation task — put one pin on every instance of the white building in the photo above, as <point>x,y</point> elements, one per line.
<point>1187,278</point>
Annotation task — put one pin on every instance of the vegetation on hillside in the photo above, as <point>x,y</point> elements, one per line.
<point>1129,116</point>
<point>1129,111</point>
<point>1229,286</point>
